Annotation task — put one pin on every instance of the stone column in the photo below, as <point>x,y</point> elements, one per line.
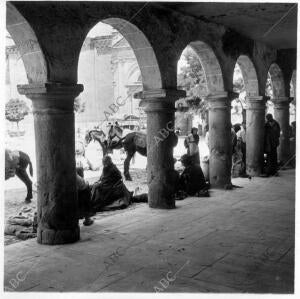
<point>220,143</point>
<point>255,122</point>
<point>57,206</point>
<point>160,107</point>
<point>282,116</point>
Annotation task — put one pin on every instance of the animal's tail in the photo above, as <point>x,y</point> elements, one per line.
<point>30,168</point>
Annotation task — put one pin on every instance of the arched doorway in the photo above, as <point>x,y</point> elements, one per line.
<point>111,73</point>
<point>142,74</point>
<point>201,76</point>
<point>252,142</point>
<point>25,64</point>
<point>27,44</point>
<point>281,112</point>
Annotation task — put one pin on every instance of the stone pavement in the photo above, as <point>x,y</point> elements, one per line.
<point>234,241</point>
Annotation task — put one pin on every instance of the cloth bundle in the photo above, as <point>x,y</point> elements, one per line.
<point>24,225</point>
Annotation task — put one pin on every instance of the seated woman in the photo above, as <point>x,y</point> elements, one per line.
<point>238,166</point>
<point>192,181</point>
<point>110,188</point>
<point>84,200</point>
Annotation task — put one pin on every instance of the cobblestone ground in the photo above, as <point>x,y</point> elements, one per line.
<point>15,190</point>
<point>14,198</point>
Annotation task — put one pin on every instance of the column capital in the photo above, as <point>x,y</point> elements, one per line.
<point>281,102</point>
<point>219,100</point>
<point>51,98</point>
<point>50,90</point>
<point>255,103</point>
<point>159,100</point>
<point>217,95</point>
<point>174,94</point>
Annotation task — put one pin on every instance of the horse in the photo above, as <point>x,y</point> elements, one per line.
<point>114,134</point>
<point>132,142</point>
<point>16,163</point>
<point>100,136</point>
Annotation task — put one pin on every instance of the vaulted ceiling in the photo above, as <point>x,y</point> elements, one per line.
<point>272,23</point>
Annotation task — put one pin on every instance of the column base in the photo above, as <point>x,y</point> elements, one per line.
<point>55,237</point>
<point>162,205</point>
<point>253,172</point>
<point>162,187</point>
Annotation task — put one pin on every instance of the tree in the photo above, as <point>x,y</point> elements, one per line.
<point>79,105</point>
<point>239,103</point>
<point>191,78</point>
<point>16,110</point>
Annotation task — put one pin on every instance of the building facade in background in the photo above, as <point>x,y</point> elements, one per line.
<point>108,70</point>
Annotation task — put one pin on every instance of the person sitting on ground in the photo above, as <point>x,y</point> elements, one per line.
<point>110,192</point>
<point>84,199</point>
<point>238,166</point>
<point>191,143</point>
<point>192,181</point>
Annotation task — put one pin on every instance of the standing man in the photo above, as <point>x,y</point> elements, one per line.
<point>272,135</point>
<point>241,135</point>
<point>191,143</point>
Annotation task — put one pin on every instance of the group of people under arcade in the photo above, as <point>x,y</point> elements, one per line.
<point>272,133</point>
<point>109,192</point>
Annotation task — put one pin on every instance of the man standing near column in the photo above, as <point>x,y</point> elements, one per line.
<point>191,143</point>
<point>272,134</point>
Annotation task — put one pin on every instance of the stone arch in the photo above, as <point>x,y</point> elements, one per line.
<point>133,74</point>
<point>211,66</point>
<point>249,75</point>
<point>27,44</point>
<point>147,61</point>
<point>277,80</point>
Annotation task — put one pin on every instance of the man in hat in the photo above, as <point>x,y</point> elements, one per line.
<point>272,135</point>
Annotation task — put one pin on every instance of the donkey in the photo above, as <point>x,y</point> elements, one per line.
<point>16,163</point>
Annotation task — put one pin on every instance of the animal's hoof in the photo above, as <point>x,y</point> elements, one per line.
<point>27,201</point>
